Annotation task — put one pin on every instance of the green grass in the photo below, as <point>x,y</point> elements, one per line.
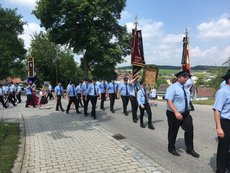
<point>9,142</point>
<point>166,72</point>
<point>203,102</point>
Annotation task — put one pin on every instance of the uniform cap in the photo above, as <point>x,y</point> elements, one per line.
<point>142,81</point>
<point>182,73</point>
<point>226,76</point>
<point>125,79</point>
<point>94,78</point>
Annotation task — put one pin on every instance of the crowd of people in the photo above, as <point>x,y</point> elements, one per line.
<point>10,94</point>
<point>140,96</point>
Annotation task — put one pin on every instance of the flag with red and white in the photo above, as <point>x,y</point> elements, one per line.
<point>185,62</point>
<point>137,51</point>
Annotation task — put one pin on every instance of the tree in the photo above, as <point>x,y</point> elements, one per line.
<point>88,27</point>
<point>218,72</point>
<point>200,80</point>
<point>52,62</point>
<point>11,46</point>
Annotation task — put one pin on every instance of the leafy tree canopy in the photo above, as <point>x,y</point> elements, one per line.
<point>11,46</point>
<point>53,62</point>
<point>88,27</point>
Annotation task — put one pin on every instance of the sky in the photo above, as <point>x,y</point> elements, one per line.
<point>163,24</point>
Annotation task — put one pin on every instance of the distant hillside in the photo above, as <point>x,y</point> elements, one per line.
<point>169,67</point>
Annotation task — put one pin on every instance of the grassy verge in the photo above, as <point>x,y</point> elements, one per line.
<point>9,142</point>
<point>203,102</point>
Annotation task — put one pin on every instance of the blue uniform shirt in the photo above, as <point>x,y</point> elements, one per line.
<point>175,93</point>
<point>85,88</point>
<point>18,89</point>
<point>189,83</point>
<point>124,89</point>
<point>223,83</point>
<point>79,88</point>
<point>71,90</point>
<point>59,90</point>
<point>141,98</point>
<point>112,87</point>
<point>28,90</point>
<point>91,90</point>
<point>222,102</point>
<point>133,89</point>
<point>103,86</point>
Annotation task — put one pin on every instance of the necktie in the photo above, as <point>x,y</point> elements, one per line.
<point>95,93</point>
<point>104,87</point>
<point>185,99</point>
<point>127,93</point>
<point>135,89</point>
<point>114,88</point>
<point>60,90</point>
<point>146,101</point>
<point>73,91</point>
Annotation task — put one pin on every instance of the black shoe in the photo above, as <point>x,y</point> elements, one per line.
<point>174,152</point>
<point>193,153</point>
<point>126,113</point>
<point>78,112</point>
<point>151,127</point>
<point>94,117</point>
<point>142,126</point>
<point>113,111</point>
<point>103,109</point>
<point>135,121</point>
<point>67,112</point>
<point>58,110</point>
<point>63,110</point>
<point>228,168</point>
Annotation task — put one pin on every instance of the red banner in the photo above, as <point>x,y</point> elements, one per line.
<point>31,67</point>
<point>185,62</point>
<point>137,54</point>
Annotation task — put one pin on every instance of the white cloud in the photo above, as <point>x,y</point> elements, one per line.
<point>162,48</point>
<point>214,29</point>
<point>197,52</point>
<point>27,3</point>
<point>172,38</point>
<point>29,30</point>
<point>125,15</point>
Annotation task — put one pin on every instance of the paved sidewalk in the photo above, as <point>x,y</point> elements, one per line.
<point>57,142</point>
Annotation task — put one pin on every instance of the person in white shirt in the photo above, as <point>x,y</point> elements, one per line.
<point>18,91</point>
<point>2,96</point>
<point>189,85</point>
<point>50,94</point>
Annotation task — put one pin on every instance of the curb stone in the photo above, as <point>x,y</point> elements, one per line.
<point>21,150</point>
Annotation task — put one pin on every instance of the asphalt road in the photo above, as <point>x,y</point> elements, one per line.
<point>153,143</point>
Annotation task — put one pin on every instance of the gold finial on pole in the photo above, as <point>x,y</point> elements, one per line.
<point>186,31</point>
